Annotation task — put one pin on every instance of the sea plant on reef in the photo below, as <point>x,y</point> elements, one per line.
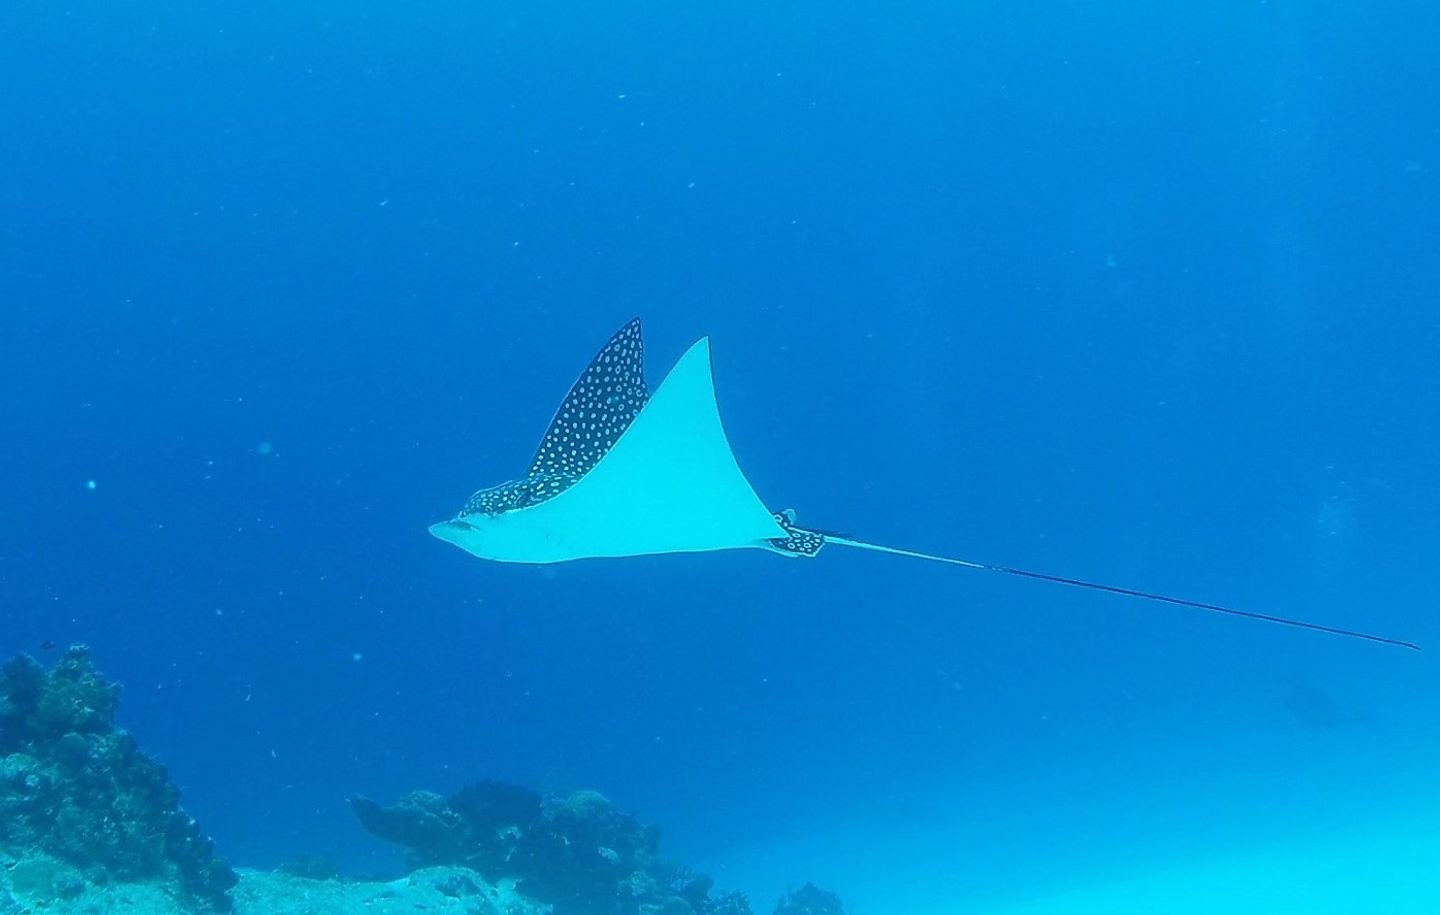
<point>810,900</point>
<point>77,788</point>
<point>579,853</point>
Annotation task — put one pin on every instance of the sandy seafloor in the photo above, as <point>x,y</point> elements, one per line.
<point>435,891</point>
<point>1391,869</point>
<point>1384,869</point>
<point>1391,872</point>
<point>1336,830</point>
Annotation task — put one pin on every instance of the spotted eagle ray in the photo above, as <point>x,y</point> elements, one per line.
<point>624,472</point>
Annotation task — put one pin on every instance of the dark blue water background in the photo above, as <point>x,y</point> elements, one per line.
<point>1134,292</point>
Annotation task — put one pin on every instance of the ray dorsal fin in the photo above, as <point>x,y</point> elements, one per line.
<point>603,402</point>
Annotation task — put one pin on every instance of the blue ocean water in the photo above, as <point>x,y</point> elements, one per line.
<point>1128,292</point>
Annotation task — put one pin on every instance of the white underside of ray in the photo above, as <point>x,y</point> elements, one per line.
<point>669,485</point>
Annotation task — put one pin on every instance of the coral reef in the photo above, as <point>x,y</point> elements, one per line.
<point>810,900</point>
<point>88,823</point>
<point>578,853</point>
<point>81,801</point>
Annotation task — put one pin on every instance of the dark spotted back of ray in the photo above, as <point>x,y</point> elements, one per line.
<point>599,408</point>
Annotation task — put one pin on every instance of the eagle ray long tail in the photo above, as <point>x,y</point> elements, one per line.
<point>1128,592</point>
